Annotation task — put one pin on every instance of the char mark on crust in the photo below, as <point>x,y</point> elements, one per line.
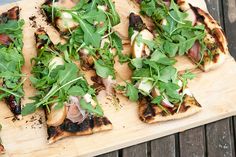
<point>138,1</point>
<point>146,110</point>
<point>41,42</point>
<point>49,2</point>
<point>14,106</point>
<point>98,83</point>
<point>136,22</point>
<point>212,27</point>
<point>2,149</point>
<point>149,111</point>
<point>89,126</point>
<point>12,14</point>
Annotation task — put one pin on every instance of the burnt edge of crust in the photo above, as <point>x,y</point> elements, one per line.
<point>87,127</point>
<point>147,110</point>
<point>201,16</point>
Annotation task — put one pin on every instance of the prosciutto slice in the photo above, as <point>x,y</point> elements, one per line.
<point>194,52</point>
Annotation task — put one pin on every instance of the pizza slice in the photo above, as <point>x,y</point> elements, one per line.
<point>195,32</point>
<point>88,28</point>
<point>70,103</point>
<point>11,60</point>
<point>215,40</point>
<point>162,93</point>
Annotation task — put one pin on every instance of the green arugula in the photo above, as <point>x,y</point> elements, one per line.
<point>56,85</point>
<point>96,20</point>
<point>12,60</point>
<point>178,35</point>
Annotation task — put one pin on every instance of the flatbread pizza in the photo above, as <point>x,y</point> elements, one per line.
<point>70,103</point>
<point>12,60</point>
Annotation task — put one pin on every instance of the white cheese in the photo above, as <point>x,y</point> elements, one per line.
<point>66,21</point>
<point>145,86</point>
<point>187,92</point>
<point>56,61</point>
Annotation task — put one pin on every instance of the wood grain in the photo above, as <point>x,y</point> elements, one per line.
<point>192,142</point>
<point>136,151</point>
<point>220,139</point>
<point>230,23</point>
<point>215,9</point>
<point>128,129</point>
<point>163,147</point>
<point>111,154</point>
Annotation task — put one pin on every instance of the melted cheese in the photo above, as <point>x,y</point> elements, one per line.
<point>56,61</point>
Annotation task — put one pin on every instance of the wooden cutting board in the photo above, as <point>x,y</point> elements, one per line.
<point>215,90</point>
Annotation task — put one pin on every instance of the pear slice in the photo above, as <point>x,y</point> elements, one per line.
<point>66,22</point>
<point>56,117</point>
<point>56,61</point>
<point>155,92</point>
<point>145,86</point>
<point>139,49</point>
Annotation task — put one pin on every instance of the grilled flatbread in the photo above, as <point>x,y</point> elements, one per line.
<point>149,112</point>
<point>71,119</point>
<point>11,53</point>
<point>215,39</point>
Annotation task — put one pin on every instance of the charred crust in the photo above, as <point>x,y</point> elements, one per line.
<point>136,22</point>
<point>216,32</point>
<point>12,14</point>
<point>106,121</point>
<point>216,58</point>
<point>86,126</point>
<point>42,42</point>
<point>69,126</point>
<point>13,105</point>
<point>97,121</point>
<point>146,109</point>
<point>98,83</point>
<point>49,2</point>
<point>2,149</point>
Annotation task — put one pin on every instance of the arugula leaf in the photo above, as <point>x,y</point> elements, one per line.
<point>167,74</point>
<point>103,70</point>
<point>161,58</point>
<point>28,109</point>
<point>131,92</point>
<point>157,100</point>
<point>90,34</point>
<point>76,91</point>
<point>69,73</point>
<point>115,19</point>
<point>137,63</point>
<point>88,107</point>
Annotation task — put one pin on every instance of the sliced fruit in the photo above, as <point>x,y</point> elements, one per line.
<point>191,16</point>
<point>145,86</point>
<point>66,22</point>
<point>155,92</point>
<point>138,48</point>
<point>56,117</point>
<point>56,61</point>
